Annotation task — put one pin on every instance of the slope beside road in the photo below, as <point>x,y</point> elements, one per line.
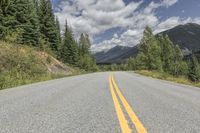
<point>101,103</point>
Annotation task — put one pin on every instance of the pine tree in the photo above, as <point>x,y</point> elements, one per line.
<point>131,64</point>
<point>69,48</point>
<point>8,20</point>
<point>29,22</point>
<point>37,5</point>
<point>48,27</point>
<point>1,20</point>
<point>19,22</point>
<point>59,40</point>
<point>75,53</point>
<point>194,69</point>
<point>58,31</point>
<point>149,51</point>
<point>178,66</point>
<point>4,4</point>
<point>84,45</point>
<point>88,43</point>
<point>86,61</point>
<point>167,52</point>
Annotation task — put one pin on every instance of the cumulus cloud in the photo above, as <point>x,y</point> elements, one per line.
<point>97,16</point>
<point>168,3</point>
<point>174,21</point>
<point>94,16</point>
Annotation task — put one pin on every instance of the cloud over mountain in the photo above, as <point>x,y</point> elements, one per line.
<point>97,16</point>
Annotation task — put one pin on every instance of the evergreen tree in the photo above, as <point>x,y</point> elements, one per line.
<point>194,71</point>
<point>29,22</point>
<point>131,64</point>
<point>4,4</point>
<point>149,51</point>
<point>58,31</point>
<point>59,40</point>
<point>75,53</point>
<point>167,52</point>
<point>37,6</point>
<point>48,27</point>
<point>84,45</point>
<point>7,18</point>
<point>178,66</point>
<point>69,49</point>
<point>1,19</point>
<point>87,61</point>
<point>19,22</point>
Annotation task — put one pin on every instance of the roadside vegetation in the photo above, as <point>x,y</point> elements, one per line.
<point>182,79</point>
<point>29,34</point>
<point>158,57</point>
<point>23,65</point>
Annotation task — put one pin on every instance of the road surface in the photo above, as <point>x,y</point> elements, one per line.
<point>101,103</point>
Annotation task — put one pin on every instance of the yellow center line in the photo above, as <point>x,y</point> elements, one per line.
<point>122,120</point>
<point>138,125</point>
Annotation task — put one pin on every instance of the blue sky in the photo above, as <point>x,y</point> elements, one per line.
<point>121,22</point>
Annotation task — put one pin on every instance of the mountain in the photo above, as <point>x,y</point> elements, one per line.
<point>189,56</point>
<point>186,36</point>
<point>115,55</point>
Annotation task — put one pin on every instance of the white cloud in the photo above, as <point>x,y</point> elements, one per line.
<point>174,21</point>
<point>128,38</point>
<point>94,17</point>
<point>167,24</point>
<point>97,16</point>
<point>168,3</point>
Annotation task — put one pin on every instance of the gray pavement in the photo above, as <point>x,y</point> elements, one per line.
<point>83,104</point>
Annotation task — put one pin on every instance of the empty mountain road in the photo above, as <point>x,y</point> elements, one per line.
<point>107,102</point>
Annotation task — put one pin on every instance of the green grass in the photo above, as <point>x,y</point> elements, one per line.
<point>168,77</point>
<point>20,65</point>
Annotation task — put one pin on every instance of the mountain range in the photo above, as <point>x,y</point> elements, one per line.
<point>115,55</point>
<point>187,36</point>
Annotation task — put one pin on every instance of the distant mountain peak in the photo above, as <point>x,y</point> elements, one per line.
<point>187,36</point>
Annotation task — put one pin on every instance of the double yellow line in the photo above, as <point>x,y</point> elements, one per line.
<point>121,117</point>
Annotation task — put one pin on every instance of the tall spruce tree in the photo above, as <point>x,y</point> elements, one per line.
<point>87,61</point>
<point>194,70</point>
<point>59,40</point>
<point>178,66</point>
<point>58,32</point>
<point>69,48</point>
<point>84,44</point>
<point>19,21</point>
<point>167,52</point>
<point>149,56</point>
<point>1,19</point>
<point>131,64</point>
<point>29,22</point>
<point>48,27</point>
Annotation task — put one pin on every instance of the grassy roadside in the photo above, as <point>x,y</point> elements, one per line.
<point>168,77</point>
<point>8,83</point>
<point>20,65</point>
<point>40,78</point>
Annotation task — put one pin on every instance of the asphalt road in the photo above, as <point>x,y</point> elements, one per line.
<point>101,103</point>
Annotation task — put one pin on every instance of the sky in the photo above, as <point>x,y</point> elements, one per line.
<point>122,22</point>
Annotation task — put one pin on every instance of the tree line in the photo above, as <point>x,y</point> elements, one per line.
<point>33,23</point>
<point>160,54</point>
